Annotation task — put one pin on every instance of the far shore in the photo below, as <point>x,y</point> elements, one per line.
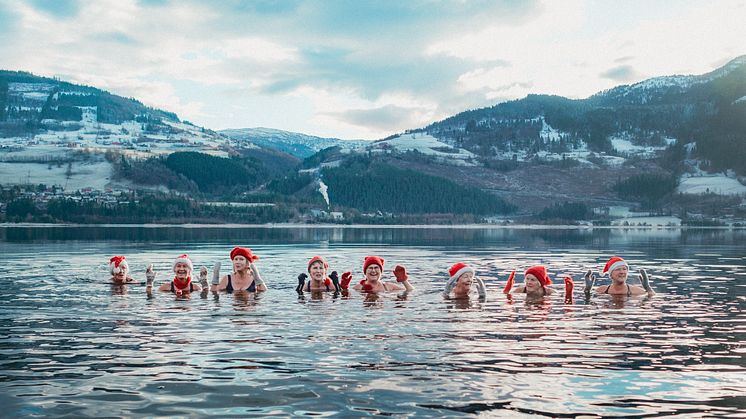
<point>386,226</point>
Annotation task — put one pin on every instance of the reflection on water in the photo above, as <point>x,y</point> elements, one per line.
<point>73,344</point>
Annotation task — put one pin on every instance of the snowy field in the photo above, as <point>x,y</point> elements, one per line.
<point>426,144</point>
<point>719,184</point>
<point>94,175</point>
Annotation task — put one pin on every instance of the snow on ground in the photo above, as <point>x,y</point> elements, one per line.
<point>94,175</point>
<point>718,184</point>
<point>625,146</point>
<point>426,144</point>
<point>649,221</point>
<point>548,133</point>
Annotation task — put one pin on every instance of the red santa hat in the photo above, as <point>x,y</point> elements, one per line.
<point>614,263</point>
<point>117,263</point>
<point>372,260</point>
<point>184,259</point>
<point>458,269</point>
<point>317,259</point>
<point>540,272</point>
<point>245,252</point>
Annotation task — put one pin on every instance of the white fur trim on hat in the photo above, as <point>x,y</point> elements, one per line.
<point>184,259</point>
<point>117,263</point>
<point>462,271</point>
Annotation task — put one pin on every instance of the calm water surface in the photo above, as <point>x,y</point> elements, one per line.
<point>73,345</point>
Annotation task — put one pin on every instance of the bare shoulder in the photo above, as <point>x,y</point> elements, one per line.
<point>635,290</point>
<point>602,289</point>
<point>392,286</point>
<point>519,288</point>
<point>165,287</point>
<point>550,291</point>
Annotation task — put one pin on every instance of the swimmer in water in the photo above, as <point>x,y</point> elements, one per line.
<point>245,276</point>
<point>461,279</point>
<point>317,268</point>
<point>182,283</point>
<point>536,284</point>
<point>373,270</point>
<point>119,269</point>
<point>618,270</point>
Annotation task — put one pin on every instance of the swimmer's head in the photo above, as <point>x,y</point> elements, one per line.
<point>183,263</point>
<point>463,275</point>
<point>317,268</point>
<point>118,264</point>
<point>535,277</point>
<point>245,252</point>
<point>373,267</point>
<point>617,269</point>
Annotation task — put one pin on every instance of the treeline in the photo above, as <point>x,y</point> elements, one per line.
<point>368,185</point>
<point>193,172</point>
<point>648,188</point>
<point>566,211</point>
<point>149,209</point>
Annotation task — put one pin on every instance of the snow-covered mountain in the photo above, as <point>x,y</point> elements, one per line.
<point>293,143</point>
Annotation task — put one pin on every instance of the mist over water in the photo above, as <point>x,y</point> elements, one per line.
<point>72,344</point>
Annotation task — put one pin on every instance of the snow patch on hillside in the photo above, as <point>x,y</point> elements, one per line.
<point>425,144</point>
<point>548,133</point>
<point>94,175</point>
<point>719,184</point>
<point>623,145</point>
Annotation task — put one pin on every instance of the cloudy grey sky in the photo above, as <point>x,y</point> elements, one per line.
<point>361,69</point>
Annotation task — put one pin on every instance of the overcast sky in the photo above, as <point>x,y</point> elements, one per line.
<point>361,69</point>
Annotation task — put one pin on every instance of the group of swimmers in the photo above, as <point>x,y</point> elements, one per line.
<point>462,280</point>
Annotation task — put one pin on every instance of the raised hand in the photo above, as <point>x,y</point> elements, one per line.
<point>645,280</point>
<point>149,276</point>
<point>334,276</point>
<point>257,277</point>
<point>509,285</point>
<point>301,282</point>
<point>590,281</point>
<point>203,276</point>
<point>480,287</point>
<point>216,274</point>
<point>346,279</point>
<point>400,273</point>
<point>569,286</point>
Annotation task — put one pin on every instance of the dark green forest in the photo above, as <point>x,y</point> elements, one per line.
<point>369,185</point>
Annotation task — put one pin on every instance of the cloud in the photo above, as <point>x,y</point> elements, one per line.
<point>328,66</point>
<point>58,8</point>
<point>621,73</point>
<point>383,118</point>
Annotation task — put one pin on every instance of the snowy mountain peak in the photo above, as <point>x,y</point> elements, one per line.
<point>296,144</point>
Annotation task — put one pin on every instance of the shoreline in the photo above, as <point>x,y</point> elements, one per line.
<point>380,226</point>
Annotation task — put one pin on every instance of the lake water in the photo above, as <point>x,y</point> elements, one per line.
<point>73,345</point>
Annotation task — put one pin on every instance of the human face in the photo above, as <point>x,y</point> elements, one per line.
<point>317,271</point>
<point>182,270</point>
<point>532,284</point>
<point>240,263</point>
<point>373,273</point>
<point>463,284</point>
<point>121,276</point>
<point>619,275</point>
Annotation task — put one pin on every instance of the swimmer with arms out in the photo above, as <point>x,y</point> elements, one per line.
<point>618,271</point>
